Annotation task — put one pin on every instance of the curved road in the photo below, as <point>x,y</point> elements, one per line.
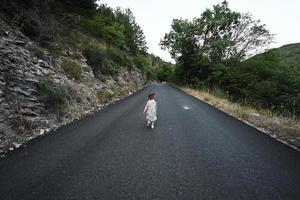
<point>195,152</point>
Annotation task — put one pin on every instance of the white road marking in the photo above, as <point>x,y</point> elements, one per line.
<point>186,108</point>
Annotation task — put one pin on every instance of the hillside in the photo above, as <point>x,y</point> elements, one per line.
<point>290,55</point>
<point>61,61</point>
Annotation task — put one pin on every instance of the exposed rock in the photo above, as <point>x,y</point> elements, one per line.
<point>27,112</point>
<point>24,114</point>
<point>20,42</point>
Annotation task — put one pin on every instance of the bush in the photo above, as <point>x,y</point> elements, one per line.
<point>30,24</point>
<point>265,83</point>
<point>95,58</point>
<point>114,35</point>
<point>104,96</point>
<point>110,68</point>
<point>165,72</point>
<point>53,95</point>
<point>101,62</point>
<point>93,26</point>
<point>22,124</point>
<point>142,62</point>
<point>119,57</point>
<point>72,68</point>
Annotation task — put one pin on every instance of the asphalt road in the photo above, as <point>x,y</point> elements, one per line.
<point>194,152</point>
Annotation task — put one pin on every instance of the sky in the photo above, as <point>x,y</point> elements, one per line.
<point>155,17</point>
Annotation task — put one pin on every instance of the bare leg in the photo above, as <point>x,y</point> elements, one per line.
<point>152,125</point>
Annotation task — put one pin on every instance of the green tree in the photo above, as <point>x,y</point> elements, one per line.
<point>218,35</point>
<point>82,7</point>
<point>114,34</point>
<point>134,35</point>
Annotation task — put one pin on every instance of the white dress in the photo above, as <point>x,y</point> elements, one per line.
<point>151,111</point>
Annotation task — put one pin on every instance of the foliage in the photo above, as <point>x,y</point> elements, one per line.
<point>113,34</point>
<point>263,81</point>
<point>104,96</point>
<point>53,95</point>
<point>22,124</point>
<point>290,55</point>
<point>118,56</point>
<point>72,68</point>
<point>116,27</point>
<point>210,51</point>
<point>95,58</point>
<point>134,36</point>
<point>106,61</point>
<point>31,24</point>
<point>165,72</point>
<point>143,62</point>
<point>82,7</point>
<point>218,34</point>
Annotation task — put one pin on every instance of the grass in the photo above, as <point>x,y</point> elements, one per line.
<point>104,96</point>
<point>23,125</point>
<point>53,95</point>
<point>286,129</point>
<point>72,68</point>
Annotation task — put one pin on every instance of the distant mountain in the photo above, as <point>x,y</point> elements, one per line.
<point>290,54</point>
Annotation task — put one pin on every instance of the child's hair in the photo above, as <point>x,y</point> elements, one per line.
<point>151,95</point>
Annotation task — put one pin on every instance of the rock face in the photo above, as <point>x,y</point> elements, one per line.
<point>23,112</point>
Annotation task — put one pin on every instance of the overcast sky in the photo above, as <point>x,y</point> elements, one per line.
<point>282,17</point>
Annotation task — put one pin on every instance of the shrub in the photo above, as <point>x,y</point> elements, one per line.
<point>150,73</point>
<point>142,62</point>
<point>72,68</point>
<point>110,68</point>
<point>92,26</point>
<point>164,72</point>
<point>102,62</point>
<point>119,57</point>
<point>22,124</point>
<point>104,96</point>
<point>53,95</point>
<point>30,24</point>
<point>114,35</point>
<point>95,58</point>
<point>55,49</point>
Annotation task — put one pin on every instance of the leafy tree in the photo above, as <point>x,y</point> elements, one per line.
<point>118,28</point>
<point>134,35</point>
<point>165,72</point>
<point>114,34</point>
<point>180,41</point>
<point>218,34</point>
<point>82,7</point>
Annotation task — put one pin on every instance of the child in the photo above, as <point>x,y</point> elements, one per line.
<point>150,110</point>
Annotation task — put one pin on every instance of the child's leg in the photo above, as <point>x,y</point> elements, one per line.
<point>148,123</point>
<point>152,124</point>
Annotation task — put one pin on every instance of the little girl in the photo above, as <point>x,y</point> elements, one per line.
<point>150,110</point>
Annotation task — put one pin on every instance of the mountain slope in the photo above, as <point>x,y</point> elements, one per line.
<point>287,55</point>
<point>290,55</point>
<point>59,64</point>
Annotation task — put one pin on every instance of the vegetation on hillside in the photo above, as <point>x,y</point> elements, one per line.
<point>210,52</point>
<point>109,38</point>
<point>290,55</point>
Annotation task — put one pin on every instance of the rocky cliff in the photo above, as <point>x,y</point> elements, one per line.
<point>37,94</point>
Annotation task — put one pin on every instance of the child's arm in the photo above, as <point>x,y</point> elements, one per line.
<point>146,108</point>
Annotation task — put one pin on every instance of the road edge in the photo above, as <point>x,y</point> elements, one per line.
<point>84,116</point>
<point>261,129</point>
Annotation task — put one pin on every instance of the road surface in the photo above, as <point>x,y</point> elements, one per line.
<point>194,152</point>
